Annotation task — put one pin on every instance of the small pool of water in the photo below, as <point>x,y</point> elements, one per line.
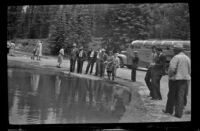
<point>47,98</point>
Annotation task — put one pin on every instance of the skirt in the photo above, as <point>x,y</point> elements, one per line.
<point>60,58</point>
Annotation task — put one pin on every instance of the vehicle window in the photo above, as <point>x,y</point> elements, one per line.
<point>138,46</point>
<point>186,47</point>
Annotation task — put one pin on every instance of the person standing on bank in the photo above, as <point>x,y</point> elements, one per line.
<point>11,46</point>
<point>91,60</point>
<point>110,65</point>
<point>116,64</point>
<point>135,60</point>
<point>81,58</point>
<point>147,78</point>
<point>73,57</point>
<point>103,59</point>
<point>60,57</point>
<point>39,50</point>
<point>179,77</point>
<point>97,72</point>
<point>158,70</point>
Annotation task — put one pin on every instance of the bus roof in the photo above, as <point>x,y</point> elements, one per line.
<point>160,42</point>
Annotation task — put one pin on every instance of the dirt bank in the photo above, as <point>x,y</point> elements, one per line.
<point>140,109</point>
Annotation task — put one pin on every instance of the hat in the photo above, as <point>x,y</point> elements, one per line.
<point>74,44</point>
<point>103,49</point>
<point>178,46</point>
<point>135,52</point>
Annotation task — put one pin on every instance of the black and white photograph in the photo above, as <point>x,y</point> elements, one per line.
<point>98,63</point>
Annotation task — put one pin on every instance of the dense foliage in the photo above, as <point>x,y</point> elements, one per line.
<point>117,25</point>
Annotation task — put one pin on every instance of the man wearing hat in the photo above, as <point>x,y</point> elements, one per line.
<point>135,60</point>
<point>91,60</point>
<point>179,78</point>
<point>158,71</point>
<point>81,58</point>
<point>73,57</point>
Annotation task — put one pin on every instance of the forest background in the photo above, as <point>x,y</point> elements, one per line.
<point>111,26</point>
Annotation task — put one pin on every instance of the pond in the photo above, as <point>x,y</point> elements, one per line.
<point>36,97</point>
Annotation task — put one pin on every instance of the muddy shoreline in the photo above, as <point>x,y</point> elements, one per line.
<point>140,109</point>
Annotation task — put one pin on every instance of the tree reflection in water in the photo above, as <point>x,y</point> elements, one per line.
<point>59,99</point>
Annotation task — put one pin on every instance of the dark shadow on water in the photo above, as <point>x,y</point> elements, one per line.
<point>36,97</point>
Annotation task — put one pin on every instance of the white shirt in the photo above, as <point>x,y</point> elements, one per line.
<point>92,54</point>
<point>154,55</point>
<point>81,53</point>
<point>61,51</point>
<point>180,64</point>
<point>98,54</point>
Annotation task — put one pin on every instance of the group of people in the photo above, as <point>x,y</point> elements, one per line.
<point>37,51</point>
<point>179,72</point>
<point>155,72</point>
<point>109,62</point>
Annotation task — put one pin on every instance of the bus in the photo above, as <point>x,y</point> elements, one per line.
<point>144,48</point>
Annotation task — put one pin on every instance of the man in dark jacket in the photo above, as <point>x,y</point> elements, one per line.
<point>157,73</point>
<point>81,58</point>
<point>73,57</point>
<point>135,61</point>
<point>91,60</point>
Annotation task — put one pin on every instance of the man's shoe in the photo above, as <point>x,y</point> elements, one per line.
<point>164,111</point>
<point>177,116</point>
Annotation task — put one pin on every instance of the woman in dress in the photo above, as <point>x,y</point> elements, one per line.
<point>39,50</point>
<point>60,57</point>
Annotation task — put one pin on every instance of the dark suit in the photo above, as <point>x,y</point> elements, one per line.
<point>135,61</point>
<point>80,61</point>
<point>73,58</point>
<point>91,61</point>
<point>177,97</point>
<point>156,75</point>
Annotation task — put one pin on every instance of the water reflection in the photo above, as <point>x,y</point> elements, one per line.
<point>57,86</point>
<point>59,99</point>
<point>35,78</point>
<point>10,73</point>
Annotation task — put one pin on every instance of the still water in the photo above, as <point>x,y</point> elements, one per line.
<point>46,98</point>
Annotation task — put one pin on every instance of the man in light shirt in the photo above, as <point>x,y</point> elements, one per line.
<point>179,77</point>
<point>157,72</point>
<point>148,74</point>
